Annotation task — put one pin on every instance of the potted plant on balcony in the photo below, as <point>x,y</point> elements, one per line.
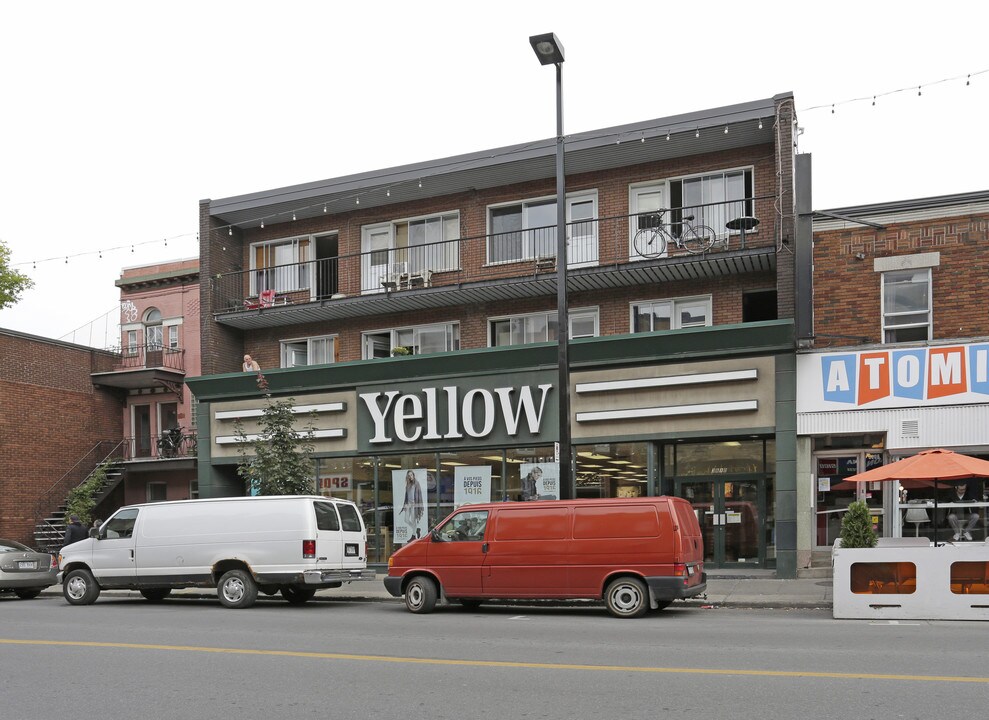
<point>400,350</point>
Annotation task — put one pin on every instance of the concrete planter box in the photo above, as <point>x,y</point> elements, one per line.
<point>911,579</point>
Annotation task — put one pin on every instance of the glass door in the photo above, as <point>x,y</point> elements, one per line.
<point>732,517</point>
<point>835,493</point>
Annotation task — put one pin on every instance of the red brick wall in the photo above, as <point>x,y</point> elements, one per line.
<point>847,290</point>
<point>221,353</point>
<point>50,417</point>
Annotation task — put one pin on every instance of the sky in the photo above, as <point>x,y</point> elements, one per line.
<point>117,118</point>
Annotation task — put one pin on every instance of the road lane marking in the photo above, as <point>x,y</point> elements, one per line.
<point>498,663</point>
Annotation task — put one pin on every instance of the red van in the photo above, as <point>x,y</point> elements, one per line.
<point>634,553</point>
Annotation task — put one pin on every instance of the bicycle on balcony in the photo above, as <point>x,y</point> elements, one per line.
<point>170,443</point>
<point>654,236</point>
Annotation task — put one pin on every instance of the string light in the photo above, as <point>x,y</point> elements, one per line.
<point>967,77</point>
<point>643,138</point>
<point>726,129</point>
<point>467,163</point>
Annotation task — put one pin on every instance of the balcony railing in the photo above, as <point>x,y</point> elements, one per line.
<point>141,358</point>
<point>518,254</point>
<point>170,445</point>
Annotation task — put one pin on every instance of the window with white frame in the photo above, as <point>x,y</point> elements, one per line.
<point>541,327</point>
<point>418,340</point>
<point>527,230</point>
<point>712,199</point>
<point>411,249</point>
<point>906,305</point>
<point>281,265</point>
<point>131,346</point>
<point>308,351</point>
<point>671,314</point>
<point>173,336</point>
<point>153,335</point>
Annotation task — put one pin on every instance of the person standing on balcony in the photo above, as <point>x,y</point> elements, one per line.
<point>74,531</point>
<point>251,365</point>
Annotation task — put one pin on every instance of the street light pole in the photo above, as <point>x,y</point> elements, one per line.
<point>549,50</point>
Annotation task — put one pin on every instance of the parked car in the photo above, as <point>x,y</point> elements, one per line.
<point>25,572</point>
<point>636,554</point>
<point>290,544</point>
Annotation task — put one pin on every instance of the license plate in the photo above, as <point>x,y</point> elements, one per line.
<point>690,570</point>
<point>27,565</point>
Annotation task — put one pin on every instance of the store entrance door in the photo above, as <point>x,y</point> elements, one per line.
<point>732,515</point>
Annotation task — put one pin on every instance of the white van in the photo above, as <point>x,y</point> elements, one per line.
<point>281,543</point>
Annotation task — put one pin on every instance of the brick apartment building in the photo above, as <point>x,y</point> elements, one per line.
<point>65,408</point>
<point>682,364</point>
<point>899,357</point>
<point>51,418</point>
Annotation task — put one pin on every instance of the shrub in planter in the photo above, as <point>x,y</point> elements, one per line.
<point>400,350</point>
<point>856,527</point>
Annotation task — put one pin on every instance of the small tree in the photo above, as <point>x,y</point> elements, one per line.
<point>856,527</point>
<point>12,282</point>
<point>282,462</point>
<point>82,498</point>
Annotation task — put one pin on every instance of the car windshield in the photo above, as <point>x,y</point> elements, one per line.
<point>11,546</point>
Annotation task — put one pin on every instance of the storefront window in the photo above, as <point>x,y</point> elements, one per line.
<point>612,470</point>
<point>533,474</point>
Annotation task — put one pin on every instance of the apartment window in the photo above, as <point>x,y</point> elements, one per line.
<point>672,314</point>
<point>906,305</point>
<point>308,351</point>
<point>173,336</point>
<point>157,492</point>
<point>712,199</point>
<point>417,246</point>
<point>153,336</point>
<point>541,327</point>
<point>131,346</point>
<point>527,230</point>
<point>420,340</point>
<point>281,265</point>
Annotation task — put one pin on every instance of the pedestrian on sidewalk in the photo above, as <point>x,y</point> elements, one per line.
<point>74,532</point>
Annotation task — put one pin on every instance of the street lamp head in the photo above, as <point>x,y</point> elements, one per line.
<point>547,47</point>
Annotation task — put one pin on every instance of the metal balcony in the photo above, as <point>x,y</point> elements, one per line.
<point>491,268</point>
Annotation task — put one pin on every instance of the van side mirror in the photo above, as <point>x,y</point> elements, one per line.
<point>434,536</point>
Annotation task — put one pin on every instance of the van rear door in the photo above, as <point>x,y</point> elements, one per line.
<point>352,538</point>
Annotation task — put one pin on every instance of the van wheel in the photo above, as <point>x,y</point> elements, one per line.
<point>420,595</point>
<point>27,593</point>
<point>156,594</point>
<point>627,597</point>
<point>297,595</point>
<point>80,588</point>
<point>237,589</point>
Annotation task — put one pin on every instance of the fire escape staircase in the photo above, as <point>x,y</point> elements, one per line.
<point>49,531</point>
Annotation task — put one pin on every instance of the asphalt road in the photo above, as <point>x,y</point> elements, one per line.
<point>191,658</point>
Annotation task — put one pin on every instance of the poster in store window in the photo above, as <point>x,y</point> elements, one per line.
<point>409,491</point>
<point>540,481</point>
<point>471,484</point>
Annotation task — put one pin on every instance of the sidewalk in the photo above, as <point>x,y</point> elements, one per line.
<point>754,589</point>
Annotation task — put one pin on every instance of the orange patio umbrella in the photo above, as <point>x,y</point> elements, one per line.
<point>936,465</point>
